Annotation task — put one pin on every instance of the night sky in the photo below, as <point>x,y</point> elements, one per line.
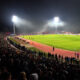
<point>38,12</point>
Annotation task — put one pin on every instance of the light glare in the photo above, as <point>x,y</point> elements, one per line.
<point>14,19</point>
<point>56,22</point>
<point>56,19</point>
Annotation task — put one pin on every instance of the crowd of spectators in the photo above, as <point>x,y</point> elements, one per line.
<point>30,65</point>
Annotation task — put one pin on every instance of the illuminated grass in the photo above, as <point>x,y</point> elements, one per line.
<point>67,42</point>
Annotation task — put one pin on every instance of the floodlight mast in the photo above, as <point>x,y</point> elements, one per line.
<point>14,28</point>
<point>14,20</point>
<point>56,29</point>
<point>56,21</point>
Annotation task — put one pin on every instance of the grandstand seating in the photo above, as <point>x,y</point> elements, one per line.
<point>25,65</point>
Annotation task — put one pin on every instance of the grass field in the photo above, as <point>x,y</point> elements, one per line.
<point>67,42</point>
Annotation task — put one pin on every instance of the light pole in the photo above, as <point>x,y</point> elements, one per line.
<point>14,20</point>
<point>56,30</point>
<point>13,28</point>
<point>56,22</point>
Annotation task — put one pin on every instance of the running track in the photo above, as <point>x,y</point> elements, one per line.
<point>46,48</point>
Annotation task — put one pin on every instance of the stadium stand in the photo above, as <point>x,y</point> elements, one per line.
<point>25,65</point>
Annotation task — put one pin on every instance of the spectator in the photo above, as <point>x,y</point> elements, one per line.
<point>22,76</point>
<point>34,76</point>
<point>5,76</point>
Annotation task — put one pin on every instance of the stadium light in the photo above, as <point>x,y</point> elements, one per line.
<point>56,19</point>
<point>55,22</point>
<point>14,20</point>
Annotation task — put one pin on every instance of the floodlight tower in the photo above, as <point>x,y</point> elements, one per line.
<point>56,22</point>
<point>14,20</point>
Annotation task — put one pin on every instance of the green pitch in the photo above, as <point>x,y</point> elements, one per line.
<point>67,42</point>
